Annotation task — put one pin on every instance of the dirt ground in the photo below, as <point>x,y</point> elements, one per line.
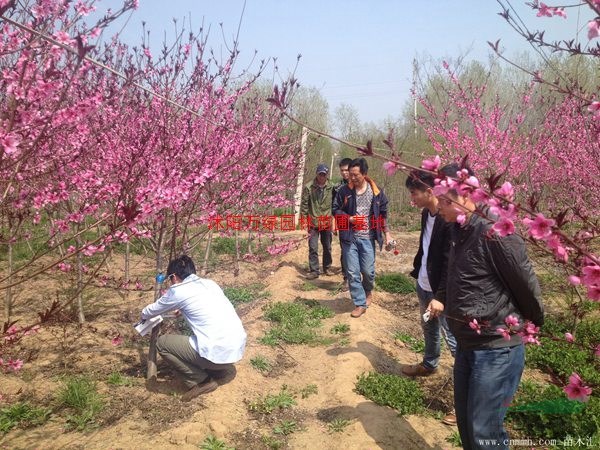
<point>138,418</point>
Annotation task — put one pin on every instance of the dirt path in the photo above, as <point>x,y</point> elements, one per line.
<point>140,419</point>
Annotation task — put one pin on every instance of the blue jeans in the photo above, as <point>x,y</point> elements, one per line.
<point>359,257</point>
<point>431,331</point>
<point>484,384</point>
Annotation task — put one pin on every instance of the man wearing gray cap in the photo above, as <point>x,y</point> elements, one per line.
<point>316,204</point>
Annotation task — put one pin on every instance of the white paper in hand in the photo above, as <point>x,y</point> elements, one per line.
<point>144,326</point>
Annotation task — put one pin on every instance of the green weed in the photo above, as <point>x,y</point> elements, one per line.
<point>285,427</point>
<point>308,390</point>
<point>79,394</point>
<point>266,405</point>
<point>397,392</point>
<point>295,323</point>
<point>338,425</point>
<point>246,294</point>
<point>212,443</point>
<point>340,328</point>
<point>261,363</point>
<point>118,379</point>
<point>416,345</point>
<point>395,283</point>
<point>22,415</point>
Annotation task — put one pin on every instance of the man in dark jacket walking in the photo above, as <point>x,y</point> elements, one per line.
<point>360,211</point>
<point>429,269</point>
<point>344,167</point>
<point>490,284</point>
<point>316,205</point>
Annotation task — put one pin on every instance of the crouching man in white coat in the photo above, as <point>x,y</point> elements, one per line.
<point>218,338</point>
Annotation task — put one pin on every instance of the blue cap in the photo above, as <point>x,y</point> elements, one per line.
<point>322,168</point>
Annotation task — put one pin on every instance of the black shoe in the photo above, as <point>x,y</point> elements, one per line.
<point>312,275</point>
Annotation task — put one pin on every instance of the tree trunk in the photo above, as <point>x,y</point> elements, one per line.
<point>8,298</point>
<point>206,254</point>
<point>151,370</point>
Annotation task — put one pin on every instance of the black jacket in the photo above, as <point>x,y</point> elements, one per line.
<point>344,204</point>
<point>437,257</point>
<point>489,278</point>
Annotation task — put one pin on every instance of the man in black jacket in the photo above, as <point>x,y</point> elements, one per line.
<point>490,285</point>
<point>430,265</point>
<point>360,211</point>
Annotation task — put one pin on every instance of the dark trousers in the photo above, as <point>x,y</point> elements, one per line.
<point>313,249</point>
<point>342,261</point>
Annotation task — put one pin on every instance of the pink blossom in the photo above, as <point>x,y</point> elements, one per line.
<point>431,164</point>
<point>64,267</point>
<point>505,191</point>
<point>561,252</point>
<point>593,292</point>
<point>390,168</point>
<point>117,340</point>
<point>9,143</point>
<point>63,38</point>
<point>593,30</point>
<point>560,12</point>
<point>569,337</point>
<point>574,280</point>
<point>475,326</point>
<point>540,227</point>
<point>597,351</point>
<point>139,286</point>
<point>461,219</point>
<point>544,10</point>
<point>504,332</point>
<point>504,227</point>
<point>591,275</point>
<point>511,321</point>
<point>576,390</point>
<point>15,364</point>
<point>147,52</point>
<point>479,195</point>
<point>3,3</point>
<point>529,334</point>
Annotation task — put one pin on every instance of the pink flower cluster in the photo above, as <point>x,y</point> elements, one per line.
<point>576,390</point>
<point>549,11</point>
<point>11,365</point>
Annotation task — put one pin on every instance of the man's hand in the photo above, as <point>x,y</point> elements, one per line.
<point>436,308</point>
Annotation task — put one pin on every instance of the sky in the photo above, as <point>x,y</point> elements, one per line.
<point>355,52</point>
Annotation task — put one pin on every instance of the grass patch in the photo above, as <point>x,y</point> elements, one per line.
<point>416,345</point>
<point>454,439</point>
<point>296,323</point>
<point>544,410</point>
<point>118,379</point>
<point>246,294</point>
<point>397,392</point>
<point>213,443</point>
<point>286,427</point>
<point>308,390</point>
<point>338,425</point>
<point>80,396</point>
<point>261,363</point>
<point>272,443</point>
<point>562,358</point>
<point>395,283</point>
<point>340,328</point>
<point>22,415</point>
<point>308,286</point>
<point>271,402</point>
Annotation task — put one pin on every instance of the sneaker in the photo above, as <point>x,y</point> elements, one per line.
<point>358,311</point>
<point>327,271</point>
<point>202,388</point>
<point>417,370</point>
<point>312,275</point>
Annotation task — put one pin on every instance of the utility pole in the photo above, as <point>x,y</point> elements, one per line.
<point>415,93</point>
<point>300,183</point>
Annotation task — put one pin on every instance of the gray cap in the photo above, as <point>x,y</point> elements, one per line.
<point>322,168</point>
